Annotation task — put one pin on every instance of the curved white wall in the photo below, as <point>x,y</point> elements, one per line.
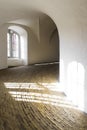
<point>3,47</point>
<point>73,52</point>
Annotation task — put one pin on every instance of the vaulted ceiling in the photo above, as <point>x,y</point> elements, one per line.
<point>25,10</point>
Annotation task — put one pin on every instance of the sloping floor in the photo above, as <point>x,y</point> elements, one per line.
<point>29,101</point>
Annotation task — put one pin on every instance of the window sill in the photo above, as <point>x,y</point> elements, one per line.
<point>15,62</point>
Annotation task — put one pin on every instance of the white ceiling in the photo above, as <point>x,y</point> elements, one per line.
<point>24,10</point>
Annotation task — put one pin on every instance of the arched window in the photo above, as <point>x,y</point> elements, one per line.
<point>13,43</point>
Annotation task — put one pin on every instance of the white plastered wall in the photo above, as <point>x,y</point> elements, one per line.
<point>72,27</point>
<point>3,47</point>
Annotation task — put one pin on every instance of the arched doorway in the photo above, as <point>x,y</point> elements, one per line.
<point>49,39</point>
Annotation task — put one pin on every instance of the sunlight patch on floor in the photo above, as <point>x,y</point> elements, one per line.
<point>45,93</point>
<point>53,86</point>
<point>26,86</point>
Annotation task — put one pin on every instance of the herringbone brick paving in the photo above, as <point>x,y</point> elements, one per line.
<point>27,101</point>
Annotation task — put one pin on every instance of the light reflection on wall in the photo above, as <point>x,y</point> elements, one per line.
<point>62,77</point>
<point>75,83</point>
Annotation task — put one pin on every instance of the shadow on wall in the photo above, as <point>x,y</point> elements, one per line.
<point>54,39</point>
<point>54,36</point>
<point>49,39</point>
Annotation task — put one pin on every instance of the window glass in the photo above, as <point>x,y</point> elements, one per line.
<point>13,41</point>
<point>8,45</point>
